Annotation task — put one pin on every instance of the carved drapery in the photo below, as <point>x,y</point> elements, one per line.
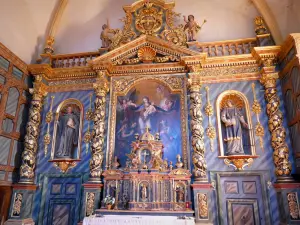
<point>200,167</point>
<point>101,89</point>
<point>32,132</point>
<point>278,134</point>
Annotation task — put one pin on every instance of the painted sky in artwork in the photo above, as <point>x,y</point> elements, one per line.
<point>148,104</point>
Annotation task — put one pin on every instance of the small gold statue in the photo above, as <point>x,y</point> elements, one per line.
<point>116,164</point>
<point>192,27</point>
<point>179,164</point>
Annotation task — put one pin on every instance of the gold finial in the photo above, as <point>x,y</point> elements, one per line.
<point>260,27</point>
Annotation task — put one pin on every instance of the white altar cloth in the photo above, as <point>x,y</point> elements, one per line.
<point>137,220</point>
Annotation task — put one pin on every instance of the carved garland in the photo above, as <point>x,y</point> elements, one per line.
<point>101,90</point>
<point>32,132</point>
<point>281,151</point>
<point>49,118</point>
<point>200,167</point>
<point>259,129</point>
<point>210,130</point>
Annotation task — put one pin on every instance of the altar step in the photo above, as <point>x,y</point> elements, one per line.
<point>185,213</point>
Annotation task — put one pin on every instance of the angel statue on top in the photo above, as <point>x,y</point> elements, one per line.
<point>192,27</point>
<point>234,123</point>
<point>107,35</point>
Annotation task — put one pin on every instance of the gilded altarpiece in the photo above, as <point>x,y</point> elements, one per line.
<point>151,116</point>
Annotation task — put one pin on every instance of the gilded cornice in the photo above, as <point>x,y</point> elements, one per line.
<point>7,54</point>
<point>264,54</point>
<point>41,69</point>
<point>71,73</point>
<point>210,69</point>
<point>148,69</point>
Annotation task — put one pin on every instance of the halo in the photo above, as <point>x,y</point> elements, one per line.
<point>236,100</point>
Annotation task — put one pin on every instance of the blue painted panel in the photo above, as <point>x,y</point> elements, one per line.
<point>250,189</point>
<point>62,212</point>
<point>62,201</point>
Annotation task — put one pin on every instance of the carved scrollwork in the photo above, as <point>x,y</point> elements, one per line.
<point>149,19</point>
<point>90,202</point>
<point>176,36</point>
<point>101,90</point>
<point>17,204</point>
<point>293,205</point>
<point>202,205</point>
<point>239,163</point>
<point>32,132</point>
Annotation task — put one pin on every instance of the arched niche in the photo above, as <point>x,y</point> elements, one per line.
<point>234,125</point>
<point>66,142</point>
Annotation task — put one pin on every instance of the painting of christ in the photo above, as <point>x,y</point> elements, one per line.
<point>148,105</point>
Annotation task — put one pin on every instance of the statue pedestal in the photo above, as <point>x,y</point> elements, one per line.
<point>64,164</point>
<point>202,196</point>
<point>20,211</point>
<point>238,162</point>
<point>288,195</point>
<point>90,198</point>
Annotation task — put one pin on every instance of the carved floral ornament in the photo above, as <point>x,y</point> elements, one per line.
<point>155,17</point>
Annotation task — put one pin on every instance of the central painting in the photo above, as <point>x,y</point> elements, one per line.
<point>147,104</point>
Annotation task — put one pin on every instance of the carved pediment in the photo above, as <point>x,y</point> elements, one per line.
<point>145,49</point>
<point>151,17</point>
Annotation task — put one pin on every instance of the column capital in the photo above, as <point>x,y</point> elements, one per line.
<point>194,82</point>
<point>269,79</point>
<point>266,56</point>
<point>101,89</point>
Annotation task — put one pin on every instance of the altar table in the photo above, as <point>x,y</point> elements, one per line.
<point>137,220</point>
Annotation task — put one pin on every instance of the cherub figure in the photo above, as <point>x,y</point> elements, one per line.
<point>192,27</point>
<point>106,35</point>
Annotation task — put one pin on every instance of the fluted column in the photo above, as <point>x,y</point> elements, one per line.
<point>101,88</point>
<point>32,132</point>
<point>269,76</point>
<point>200,167</point>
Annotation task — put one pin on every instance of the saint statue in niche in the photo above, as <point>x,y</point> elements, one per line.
<point>68,123</point>
<point>144,193</point>
<point>234,122</point>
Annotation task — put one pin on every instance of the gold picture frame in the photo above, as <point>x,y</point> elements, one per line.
<point>120,86</point>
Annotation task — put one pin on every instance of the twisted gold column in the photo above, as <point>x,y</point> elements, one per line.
<point>281,152</point>
<point>200,167</point>
<point>32,132</point>
<point>101,89</point>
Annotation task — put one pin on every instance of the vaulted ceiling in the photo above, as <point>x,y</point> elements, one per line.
<point>25,24</point>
